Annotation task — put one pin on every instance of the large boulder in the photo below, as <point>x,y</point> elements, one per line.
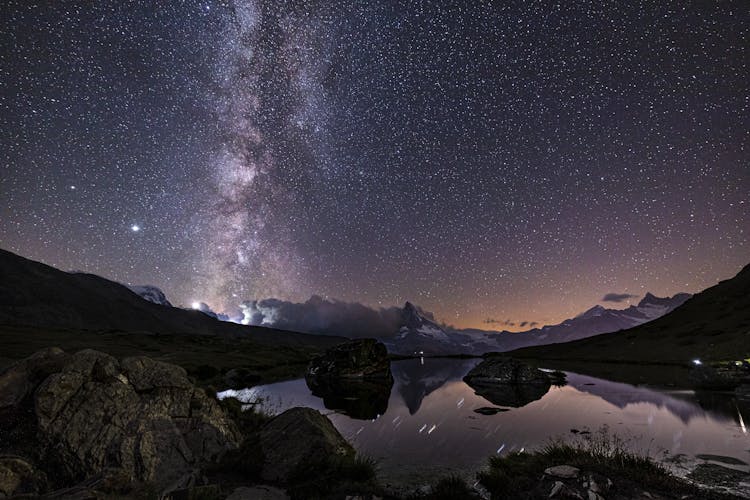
<point>141,418</point>
<point>297,438</point>
<point>358,359</point>
<point>507,382</point>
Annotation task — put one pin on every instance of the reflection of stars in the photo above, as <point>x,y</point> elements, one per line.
<point>135,228</point>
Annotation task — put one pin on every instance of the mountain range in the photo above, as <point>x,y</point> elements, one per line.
<point>421,334</point>
<point>712,325</point>
<point>36,295</point>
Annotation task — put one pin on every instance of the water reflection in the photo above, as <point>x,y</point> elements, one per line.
<point>415,380</point>
<point>429,427</point>
<point>360,399</point>
<point>513,395</point>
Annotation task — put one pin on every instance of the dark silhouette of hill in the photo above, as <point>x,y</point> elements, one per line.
<point>39,296</point>
<point>712,325</point>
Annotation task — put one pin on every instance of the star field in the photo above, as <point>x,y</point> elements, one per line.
<point>483,159</point>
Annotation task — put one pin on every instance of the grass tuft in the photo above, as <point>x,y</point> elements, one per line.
<point>332,477</point>
<point>452,488</point>
<point>517,475</point>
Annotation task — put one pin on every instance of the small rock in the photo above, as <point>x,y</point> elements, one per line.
<point>556,488</point>
<point>592,495</point>
<point>195,493</point>
<point>18,477</point>
<point>596,487</point>
<point>425,490</point>
<point>489,410</point>
<point>561,490</point>
<point>259,492</point>
<point>562,471</point>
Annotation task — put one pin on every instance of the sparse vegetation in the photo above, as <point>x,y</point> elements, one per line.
<point>452,488</point>
<point>334,477</point>
<point>207,358</point>
<point>598,455</point>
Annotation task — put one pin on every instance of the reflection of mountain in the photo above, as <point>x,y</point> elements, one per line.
<point>622,395</point>
<point>415,378</point>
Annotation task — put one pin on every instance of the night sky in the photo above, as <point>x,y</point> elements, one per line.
<point>515,163</point>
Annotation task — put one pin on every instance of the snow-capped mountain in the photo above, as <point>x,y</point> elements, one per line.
<point>150,293</point>
<point>419,333</point>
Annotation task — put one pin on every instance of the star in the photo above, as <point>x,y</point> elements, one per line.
<point>135,228</point>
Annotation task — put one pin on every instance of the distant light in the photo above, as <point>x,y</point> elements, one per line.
<point>135,228</point>
<point>196,305</point>
<point>697,362</point>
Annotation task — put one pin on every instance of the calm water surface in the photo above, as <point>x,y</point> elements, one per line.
<point>430,428</point>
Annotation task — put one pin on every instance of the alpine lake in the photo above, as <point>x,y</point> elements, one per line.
<point>427,427</point>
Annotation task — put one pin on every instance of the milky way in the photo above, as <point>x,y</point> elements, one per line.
<point>515,161</point>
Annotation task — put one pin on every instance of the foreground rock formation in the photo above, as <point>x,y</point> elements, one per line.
<point>508,382</point>
<point>86,425</point>
<point>87,414</point>
<point>297,438</point>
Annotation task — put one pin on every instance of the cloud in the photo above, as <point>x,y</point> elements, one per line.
<point>318,315</point>
<point>509,323</point>
<point>205,309</point>
<point>618,297</point>
<point>503,322</point>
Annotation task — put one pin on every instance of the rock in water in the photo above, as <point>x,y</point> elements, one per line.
<point>297,438</point>
<point>364,358</point>
<point>354,377</point>
<point>140,417</point>
<point>502,370</point>
<point>507,382</point>
<point>487,410</point>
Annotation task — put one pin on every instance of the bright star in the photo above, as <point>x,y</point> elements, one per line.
<point>135,228</point>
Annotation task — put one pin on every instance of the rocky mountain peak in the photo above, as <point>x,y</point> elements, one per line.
<point>649,298</point>
<point>411,316</point>
<point>597,310</point>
